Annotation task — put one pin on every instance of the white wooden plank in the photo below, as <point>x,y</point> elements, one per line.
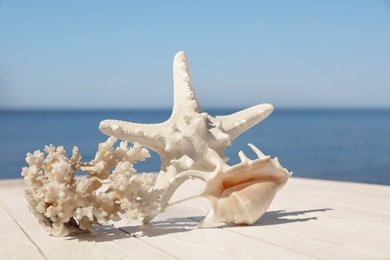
<point>362,204</point>
<point>327,239</point>
<point>110,244</point>
<point>173,228</point>
<point>373,197</point>
<point>352,222</point>
<point>11,183</point>
<point>180,237</point>
<point>14,244</point>
<point>292,223</point>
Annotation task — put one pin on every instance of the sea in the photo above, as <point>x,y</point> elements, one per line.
<point>342,145</point>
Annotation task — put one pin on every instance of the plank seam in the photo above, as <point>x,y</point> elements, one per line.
<point>149,244</point>
<point>290,249</point>
<point>25,233</point>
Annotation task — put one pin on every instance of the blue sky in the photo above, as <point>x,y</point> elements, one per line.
<point>118,54</point>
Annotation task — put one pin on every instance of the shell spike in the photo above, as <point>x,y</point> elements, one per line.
<point>257,151</point>
<point>243,157</point>
<point>218,160</point>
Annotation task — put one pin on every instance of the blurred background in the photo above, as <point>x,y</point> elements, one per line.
<point>65,66</point>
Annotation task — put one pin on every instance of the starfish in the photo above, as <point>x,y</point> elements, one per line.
<point>184,141</point>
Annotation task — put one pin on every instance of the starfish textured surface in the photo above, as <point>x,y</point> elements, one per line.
<point>185,139</point>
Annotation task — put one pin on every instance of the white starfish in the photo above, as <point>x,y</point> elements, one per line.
<point>184,140</point>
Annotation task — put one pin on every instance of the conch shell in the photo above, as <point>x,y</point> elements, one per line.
<point>241,193</point>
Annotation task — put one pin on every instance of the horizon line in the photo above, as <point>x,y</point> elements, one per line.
<point>93,109</point>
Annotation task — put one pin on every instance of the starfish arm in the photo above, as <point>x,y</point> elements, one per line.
<point>237,123</point>
<point>184,99</point>
<point>148,135</point>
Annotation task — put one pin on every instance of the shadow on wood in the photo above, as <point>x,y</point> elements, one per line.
<point>161,227</point>
<point>106,233</point>
<point>177,225</point>
<point>278,217</point>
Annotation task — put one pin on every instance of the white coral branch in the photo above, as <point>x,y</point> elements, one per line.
<point>64,204</point>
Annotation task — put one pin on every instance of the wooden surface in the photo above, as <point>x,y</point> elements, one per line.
<point>309,219</point>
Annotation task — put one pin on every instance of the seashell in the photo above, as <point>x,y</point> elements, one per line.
<point>241,193</point>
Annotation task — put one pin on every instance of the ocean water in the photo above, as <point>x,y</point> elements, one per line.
<point>345,145</point>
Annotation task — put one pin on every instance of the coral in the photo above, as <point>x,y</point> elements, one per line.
<point>65,204</point>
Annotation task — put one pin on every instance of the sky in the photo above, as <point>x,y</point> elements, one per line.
<point>118,54</point>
